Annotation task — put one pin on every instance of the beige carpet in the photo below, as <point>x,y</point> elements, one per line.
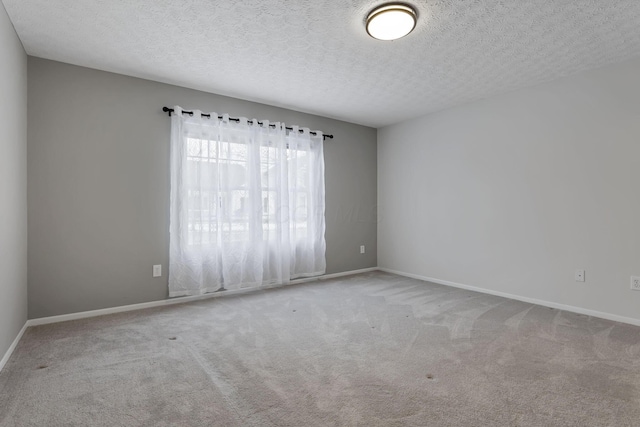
<point>367,350</point>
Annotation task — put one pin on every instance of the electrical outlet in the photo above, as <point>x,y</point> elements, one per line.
<point>361,249</point>
<point>579,275</point>
<point>157,270</point>
<point>635,283</point>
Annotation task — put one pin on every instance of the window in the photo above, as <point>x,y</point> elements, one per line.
<point>247,205</point>
<point>218,190</point>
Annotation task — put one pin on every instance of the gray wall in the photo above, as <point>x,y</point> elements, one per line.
<point>98,164</point>
<point>13,184</point>
<point>513,194</point>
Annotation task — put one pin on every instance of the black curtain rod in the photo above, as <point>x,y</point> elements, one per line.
<point>235,119</point>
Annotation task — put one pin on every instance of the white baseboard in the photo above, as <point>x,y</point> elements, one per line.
<point>13,346</point>
<point>335,275</point>
<point>182,300</point>
<point>570,308</point>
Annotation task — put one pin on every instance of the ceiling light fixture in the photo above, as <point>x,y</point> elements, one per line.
<point>391,21</point>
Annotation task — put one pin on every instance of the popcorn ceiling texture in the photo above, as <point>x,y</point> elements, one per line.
<point>315,56</point>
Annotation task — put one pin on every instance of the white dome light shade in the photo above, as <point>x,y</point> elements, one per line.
<point>391,21</point>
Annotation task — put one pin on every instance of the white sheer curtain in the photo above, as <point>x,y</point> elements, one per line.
<point>247,204</point>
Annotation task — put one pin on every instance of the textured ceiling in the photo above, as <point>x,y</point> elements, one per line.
<point>315,56</point>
